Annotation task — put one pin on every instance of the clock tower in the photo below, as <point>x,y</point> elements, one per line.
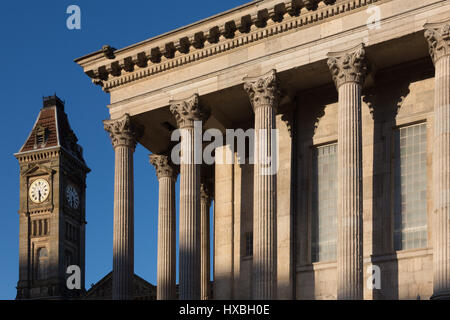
<point>52,211</point>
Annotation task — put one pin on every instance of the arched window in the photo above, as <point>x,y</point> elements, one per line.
<point>42,263</point>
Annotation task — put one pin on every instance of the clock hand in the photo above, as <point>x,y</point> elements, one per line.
<point>39,193</point>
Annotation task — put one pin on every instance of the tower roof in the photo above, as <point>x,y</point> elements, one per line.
<point>52,129</point>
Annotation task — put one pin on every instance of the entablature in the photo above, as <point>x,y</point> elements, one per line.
<point>247,24</point>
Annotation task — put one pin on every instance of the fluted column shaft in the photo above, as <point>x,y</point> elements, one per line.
<point>264,202</point>
<point>264,95</point>
<point>123,136</point>
<point>441,177</point>
<point>349,256</point>
<point>348,71</point>
<point>166,264</point>
<point>186,112</point>
<point>166,272</point>
<point>189,221</point>
<point>438,36</point>
<point>123,263</point>
<point>205,246</point>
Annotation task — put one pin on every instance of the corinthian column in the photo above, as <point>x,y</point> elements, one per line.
<point>438,36</point>
<point>166,268</point>
<point>205,192</point>
<point>186,112</point>
<point>264,96</point>
<point>124,135</point>
<point>348,69</point>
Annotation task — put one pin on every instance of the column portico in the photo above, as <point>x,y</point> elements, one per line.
<point>206,197</point>
<point>438,37</point>
<point>186,112</point>
<point>124,135</point>
<point>348,69</point>
<point>166,266</point>
<point>264,96</point>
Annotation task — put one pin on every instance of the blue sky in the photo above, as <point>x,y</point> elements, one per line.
<point>37,52</point>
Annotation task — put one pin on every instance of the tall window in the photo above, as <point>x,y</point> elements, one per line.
<point>324,203</point>
<point>410,208</point>
<point>42,263</point>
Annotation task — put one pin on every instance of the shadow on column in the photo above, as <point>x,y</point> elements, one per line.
<point>246,245</point>
<point>310,109</point>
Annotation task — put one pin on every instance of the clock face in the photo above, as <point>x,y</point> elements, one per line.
<point>72,197</point>
<point>39,190</point>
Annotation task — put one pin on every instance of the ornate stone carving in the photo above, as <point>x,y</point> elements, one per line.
<point>348,66</point>
<point>264,90</point>
<point>163,166</point>
<point>206,193</point>
<point>189,110</point>
<point>438,37</point>
<point>123,132</point>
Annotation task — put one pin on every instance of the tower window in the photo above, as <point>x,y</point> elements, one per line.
<point>410,175</point>
<point>324,204</point>
<point>41,135</point>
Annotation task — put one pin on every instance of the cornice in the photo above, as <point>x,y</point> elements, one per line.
<point>118,68</point>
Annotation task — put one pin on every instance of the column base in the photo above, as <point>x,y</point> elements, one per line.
<point>443,295</point>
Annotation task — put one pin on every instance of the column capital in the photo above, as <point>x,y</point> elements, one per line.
<point>163,166</point>
<point>188,110</point>
<point>206,193</point>
<point>263,90</point>
<point>348,65</point>
<point>123,132</point>
<point>438,37</point>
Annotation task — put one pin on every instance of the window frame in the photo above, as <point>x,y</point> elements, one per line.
<point>393,188</point>
<point>310,212</point>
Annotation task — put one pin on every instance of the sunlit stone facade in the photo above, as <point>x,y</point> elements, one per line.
<point>367,78</point>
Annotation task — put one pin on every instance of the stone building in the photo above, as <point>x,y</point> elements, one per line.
<point>359,91</point>
<point>52,213</point>
<point>102,290</point>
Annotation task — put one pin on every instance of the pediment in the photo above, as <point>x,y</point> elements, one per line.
<point>37,169</point>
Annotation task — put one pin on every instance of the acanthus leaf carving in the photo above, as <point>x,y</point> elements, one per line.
<point>123,132</point>
<point>348,66</point>
<point>189,110</point>
<point>264,90</point>
<point>163,166</point>
<point>438,37</point>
